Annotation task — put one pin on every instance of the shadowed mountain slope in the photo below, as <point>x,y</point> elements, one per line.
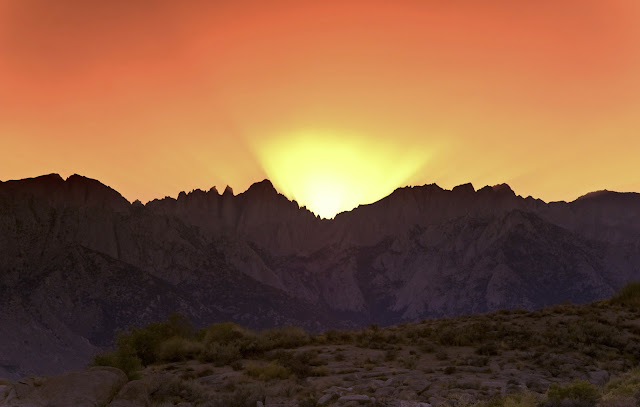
<point>78,261</point>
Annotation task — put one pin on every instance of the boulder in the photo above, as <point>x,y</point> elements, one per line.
<point>326,398</point>
<point>88,388</point>
<point>133,394</point>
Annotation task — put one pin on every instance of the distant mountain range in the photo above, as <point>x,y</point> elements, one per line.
<point>78,261</point>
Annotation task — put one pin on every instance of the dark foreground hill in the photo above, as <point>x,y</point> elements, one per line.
<point>566,355</point>
<point>78,261</point>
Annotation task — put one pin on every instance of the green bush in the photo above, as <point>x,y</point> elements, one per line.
<point>579,393</point>
<point>338,337</point>
<point>138,347</point>
<point>146,341</point>
<point>629,295</point>
<point>221,354</point>
<point>283,338</point>
<point>520,399</point>
<point>625,385</point>
<point>177,349</point>
<point>300,364</point>
<point>225,333</point>
<point>123,358</point>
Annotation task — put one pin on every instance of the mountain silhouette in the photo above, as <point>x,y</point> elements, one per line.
<point>78,261</point>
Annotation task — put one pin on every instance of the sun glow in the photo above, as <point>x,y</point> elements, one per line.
<point>330,172</point>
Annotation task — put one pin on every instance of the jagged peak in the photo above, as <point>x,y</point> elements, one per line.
<point>465,188</point>
<point>264,186</point>
<point>45,182</point>
<point>53,177</point>
<point>503,188</point>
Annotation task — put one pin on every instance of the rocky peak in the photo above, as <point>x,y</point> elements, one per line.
<point>75,190</point>
<point>228,191</point>
<point>503,189</point>
<point>42,185</point>
<point>90,192</point>
<point>464,189</point>
<point>262,189</point>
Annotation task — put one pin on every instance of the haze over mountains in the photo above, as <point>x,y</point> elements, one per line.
<point>78,261</point>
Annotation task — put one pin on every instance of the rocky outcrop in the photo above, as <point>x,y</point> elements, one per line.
<point>78,262</point>
<point>88,388</point>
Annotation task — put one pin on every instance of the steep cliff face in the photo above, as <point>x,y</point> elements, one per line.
<point>78,261</point>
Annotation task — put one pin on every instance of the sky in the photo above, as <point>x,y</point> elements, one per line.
<point>337,102</point>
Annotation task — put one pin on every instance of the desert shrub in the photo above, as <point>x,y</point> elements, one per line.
<point>629,295</point>
<point>267,372</point>
<point>176,349</point>
<point>520,399</point>
<point>619,401</point>
<point>220,354</point>
<point>338,337</point>
<point>579,394</point>
<point>464,334</point>
<point>300,364</point>
<point>418,332</point>
<point>123,358</point>
<point>625,385</point>
<point>286,338</point>
<point>371,338</point>
<point>451,336</point>
<point>146,341</point>
<point>224,333</point>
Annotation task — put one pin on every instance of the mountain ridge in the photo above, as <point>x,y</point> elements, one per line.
<point>79,261</point>
<point>266,187</point>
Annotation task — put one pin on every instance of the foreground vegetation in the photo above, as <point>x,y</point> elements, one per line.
<point>559,356</point>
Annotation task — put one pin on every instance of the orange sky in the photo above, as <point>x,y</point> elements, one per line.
<point>154,97</point>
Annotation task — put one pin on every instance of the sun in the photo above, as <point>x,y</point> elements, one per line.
<point>330,172</point>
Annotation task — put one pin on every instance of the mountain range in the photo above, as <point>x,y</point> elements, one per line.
<point>78,262</point>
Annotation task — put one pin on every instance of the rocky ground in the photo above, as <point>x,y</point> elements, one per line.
<point>474,360</point>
